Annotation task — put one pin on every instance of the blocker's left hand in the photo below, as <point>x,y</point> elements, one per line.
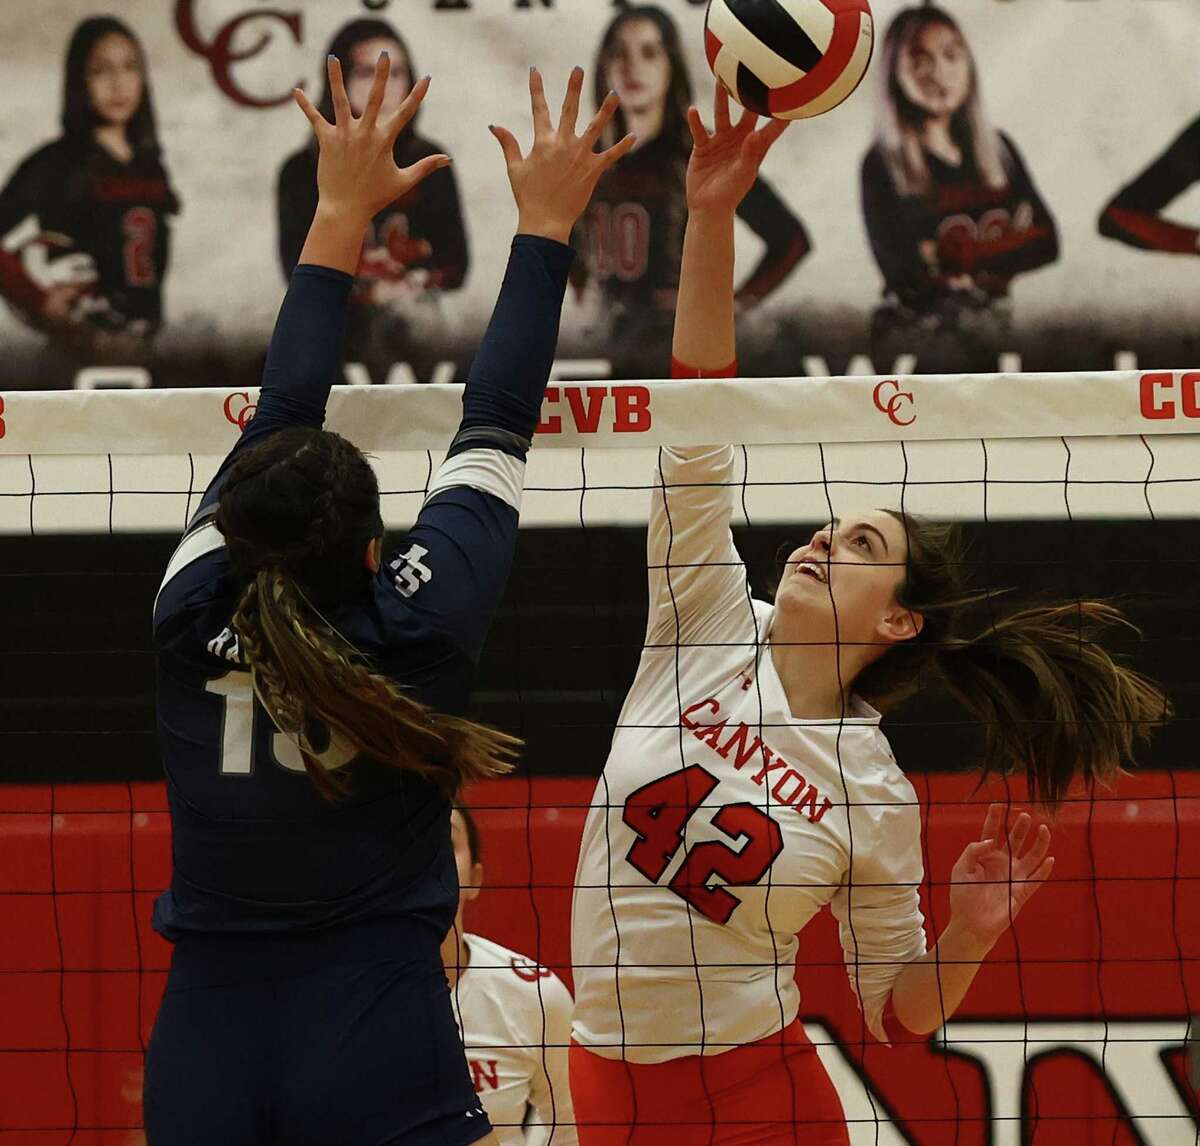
<point>996,876</point>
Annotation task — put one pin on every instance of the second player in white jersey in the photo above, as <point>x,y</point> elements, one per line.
<point>722,823</point>
<point>514,1017</point>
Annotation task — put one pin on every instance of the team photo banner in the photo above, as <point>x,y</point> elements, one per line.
<point>1014,239</point>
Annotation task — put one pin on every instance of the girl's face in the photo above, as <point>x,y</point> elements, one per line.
<point>934,71</point>
<point>470,873</point>
<point>843,583</point>
<point>361,74</point>
<point>114,79</point>
<point>637,67</point>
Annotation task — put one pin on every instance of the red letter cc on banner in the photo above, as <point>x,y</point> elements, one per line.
<point>3,427</point>
<point>1156,403</point>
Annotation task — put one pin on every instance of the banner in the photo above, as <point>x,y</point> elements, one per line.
<point>1011,188</point>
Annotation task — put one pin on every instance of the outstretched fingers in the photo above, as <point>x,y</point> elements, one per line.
<point>537,100</point>
<point>378,87</point>
<point>601,119</point>
<point>423,168</point>
<point>337,89</point>
<point>508,144</point>
<point>404,113</point>
<point>721,108</point>
<point>306,105</point>
<point>1033,859</point>
<point>570,108</point>
<point>617,152</point>
<point>697,128</point>
<point>993,822</point>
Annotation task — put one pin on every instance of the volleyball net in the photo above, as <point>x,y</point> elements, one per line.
<point>1075,486</point>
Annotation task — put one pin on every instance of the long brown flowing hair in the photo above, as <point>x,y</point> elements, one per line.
<point>679,92</point>
<point>298,512</point>
<point>1053,701</point>
<point>896,130</point>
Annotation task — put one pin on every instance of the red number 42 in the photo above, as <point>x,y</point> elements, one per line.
<point>659,811</point>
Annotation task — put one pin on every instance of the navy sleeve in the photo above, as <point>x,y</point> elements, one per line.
<point>304,360</point>
<point>508,378</point>
<point>453,565</point>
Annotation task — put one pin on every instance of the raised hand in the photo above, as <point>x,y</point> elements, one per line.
<point>356,171</point>
<point>553,183</point>
<point>995,877</point>
<point>724,165</point>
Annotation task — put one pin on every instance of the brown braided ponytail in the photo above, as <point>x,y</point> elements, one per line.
<point>1053,701</point>
<point>298,512</point>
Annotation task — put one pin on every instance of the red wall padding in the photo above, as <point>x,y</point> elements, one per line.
<point>1115,935</point>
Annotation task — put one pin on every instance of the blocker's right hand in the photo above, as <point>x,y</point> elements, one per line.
<point>724,165</point>
<point>554,182</point>
<point>356,171</point>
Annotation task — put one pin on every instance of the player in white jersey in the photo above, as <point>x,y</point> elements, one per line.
<point>749,783</point>
<point>514,1017</point>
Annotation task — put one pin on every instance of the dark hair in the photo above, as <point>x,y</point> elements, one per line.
<point>1052,700</point>
<point>298,512</point>
<point>346,39</point>
<point>679,93</point>
<point>473,844</point>
<point>79,118</point>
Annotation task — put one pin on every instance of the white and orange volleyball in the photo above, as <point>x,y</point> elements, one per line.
<point>790,59</point>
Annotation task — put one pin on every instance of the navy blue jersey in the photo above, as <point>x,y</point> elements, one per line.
<point>256,848</point>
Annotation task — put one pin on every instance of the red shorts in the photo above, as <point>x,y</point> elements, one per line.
<point>774,1092</point>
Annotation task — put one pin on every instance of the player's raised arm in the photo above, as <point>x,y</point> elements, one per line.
<point>455,561</point>
<point>697,580</point>
<point>356,177</point>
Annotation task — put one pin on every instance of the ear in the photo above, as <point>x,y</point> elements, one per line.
<point>476,880</point>
<point>900,624</point>
<point>373,558</point>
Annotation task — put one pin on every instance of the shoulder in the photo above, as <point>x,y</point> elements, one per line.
<point>1009,151</point>
<point>47,161</point>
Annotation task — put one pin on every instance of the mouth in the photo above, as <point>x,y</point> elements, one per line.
<point>810,568</point>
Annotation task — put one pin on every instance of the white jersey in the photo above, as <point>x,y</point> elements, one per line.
<point>515,1021</point>
<point>721,823</point>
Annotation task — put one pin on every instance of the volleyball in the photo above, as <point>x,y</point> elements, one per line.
<point>789,59</point>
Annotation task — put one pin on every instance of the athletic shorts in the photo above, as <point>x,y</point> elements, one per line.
<point>774,1092</point>
<point>342,1038</point>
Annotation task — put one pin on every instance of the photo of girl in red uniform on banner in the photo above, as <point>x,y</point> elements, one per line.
<point>85,220</point>
<point>951,211</point>
<point>415,249</point>
<point>631,239</point>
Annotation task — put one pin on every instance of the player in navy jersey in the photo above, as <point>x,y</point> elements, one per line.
<point>951,211</point>
<point>307,1001</point>
<point>1134,215</point>
<point>416,248</point>
<point>632,235</point>
<point>85,220</point>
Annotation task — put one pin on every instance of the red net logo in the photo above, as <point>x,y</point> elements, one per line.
<point>239,409</point>
<point>889,399</point>
<point>1165,396</point>
<point>628,406</point>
